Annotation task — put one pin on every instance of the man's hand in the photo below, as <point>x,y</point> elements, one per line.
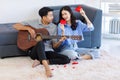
<point>32,32</point>
<point>38,38</point>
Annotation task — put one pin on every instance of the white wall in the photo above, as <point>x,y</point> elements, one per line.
<point>20,10</point>
<point>93,3</point>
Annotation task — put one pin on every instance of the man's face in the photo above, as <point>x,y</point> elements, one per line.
<point>49,17</point>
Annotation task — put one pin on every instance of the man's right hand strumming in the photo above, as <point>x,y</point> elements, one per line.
<point>32,32</point>
<point>34,35</point>
<point>19,26</point>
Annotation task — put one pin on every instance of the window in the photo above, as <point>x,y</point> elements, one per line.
<point>111,18</point>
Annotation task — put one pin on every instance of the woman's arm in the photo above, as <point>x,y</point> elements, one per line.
<point>89,23</point>
<point>62,29</point>
<point>60,32</point>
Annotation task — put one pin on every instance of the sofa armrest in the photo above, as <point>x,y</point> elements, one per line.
<point>95,16</point>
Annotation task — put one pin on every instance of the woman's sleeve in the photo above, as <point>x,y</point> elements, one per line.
<point>85,27</point>
<point>59,31</point>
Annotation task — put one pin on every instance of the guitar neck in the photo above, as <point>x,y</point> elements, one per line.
<point>58,37</point>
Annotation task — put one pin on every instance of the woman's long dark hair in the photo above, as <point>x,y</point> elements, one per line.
<point>73,18</point>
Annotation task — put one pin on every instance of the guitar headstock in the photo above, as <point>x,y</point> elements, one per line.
<point>76,37</point>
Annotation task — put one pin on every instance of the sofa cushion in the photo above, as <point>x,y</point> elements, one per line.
<point>8,34</point>
<point>86,43</point>
<point>56,16</point>
<point>10,50</point>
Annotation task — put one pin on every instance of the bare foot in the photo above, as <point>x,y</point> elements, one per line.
<point>35,63</point>
<point>86,57</point>
<point>48,73</point>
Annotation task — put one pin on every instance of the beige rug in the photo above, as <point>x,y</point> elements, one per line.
<point>19,68</point>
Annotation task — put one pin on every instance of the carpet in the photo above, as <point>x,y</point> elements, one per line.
<point>19,68</point>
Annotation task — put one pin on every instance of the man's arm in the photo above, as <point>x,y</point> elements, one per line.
<point>57,44</point>
<point>19,26</point>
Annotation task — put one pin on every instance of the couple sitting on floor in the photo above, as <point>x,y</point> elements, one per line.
<point>58,51</point>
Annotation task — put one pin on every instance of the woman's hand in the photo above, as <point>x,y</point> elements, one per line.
<point>57,44</point>
<point>62,39</point>
<point>62,27</point>
<point>82,12</point>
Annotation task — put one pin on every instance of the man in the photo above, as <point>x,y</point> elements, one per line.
<point>42,53</point>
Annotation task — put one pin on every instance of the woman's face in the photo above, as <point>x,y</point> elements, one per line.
<point>66,15</point>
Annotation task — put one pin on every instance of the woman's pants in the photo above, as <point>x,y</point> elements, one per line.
<point>73,54</point>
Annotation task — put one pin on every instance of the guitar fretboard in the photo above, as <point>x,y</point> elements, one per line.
<point>58,36</point>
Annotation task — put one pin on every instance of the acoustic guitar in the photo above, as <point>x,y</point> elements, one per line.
<point>25,41</point>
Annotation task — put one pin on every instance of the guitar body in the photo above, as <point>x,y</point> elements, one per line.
<point>25,41</point>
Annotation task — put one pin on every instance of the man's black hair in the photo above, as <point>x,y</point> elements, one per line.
<point>44,11</point>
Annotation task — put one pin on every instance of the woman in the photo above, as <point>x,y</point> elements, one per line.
<point>68,46</point>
